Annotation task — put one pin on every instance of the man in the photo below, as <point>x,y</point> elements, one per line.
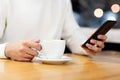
<point>23,23</point>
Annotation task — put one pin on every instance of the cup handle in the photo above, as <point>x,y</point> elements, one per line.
<point>41,53</point>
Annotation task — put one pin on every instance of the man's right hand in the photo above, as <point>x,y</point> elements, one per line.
<point>22,50</point>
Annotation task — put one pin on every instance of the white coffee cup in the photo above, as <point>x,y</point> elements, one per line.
<point>52,49</point>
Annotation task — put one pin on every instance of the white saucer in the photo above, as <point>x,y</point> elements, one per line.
<point>63,60</point>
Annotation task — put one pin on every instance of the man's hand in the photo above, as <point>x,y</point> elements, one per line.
<point>22,50</point>
<point>97,46</point>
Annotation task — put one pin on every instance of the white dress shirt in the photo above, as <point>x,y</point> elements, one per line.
<point>39,19</point>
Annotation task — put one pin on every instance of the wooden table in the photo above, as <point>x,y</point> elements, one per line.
<point>105,66</point>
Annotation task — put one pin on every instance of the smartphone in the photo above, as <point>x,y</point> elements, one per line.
<point>101,30</point>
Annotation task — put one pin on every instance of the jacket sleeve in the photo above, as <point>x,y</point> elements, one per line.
<point>72,32</point>
<point>3,9</point>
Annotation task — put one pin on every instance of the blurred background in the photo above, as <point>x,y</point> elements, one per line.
<point>91,14</point>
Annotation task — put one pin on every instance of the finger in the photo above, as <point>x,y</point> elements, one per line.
<point>30,51</point>
<point>93,48</point>
<point>28,56</point>
<point>37,41</point>
<point>96,43</point>
<point>102,37</point>
<point>22,59</point>
<point>32,44</point>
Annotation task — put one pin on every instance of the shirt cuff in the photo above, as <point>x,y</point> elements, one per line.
<point>2,50</point>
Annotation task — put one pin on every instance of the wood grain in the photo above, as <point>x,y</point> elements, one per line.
<point>104,66</point>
